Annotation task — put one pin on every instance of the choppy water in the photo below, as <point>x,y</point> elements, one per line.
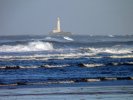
<point>43,58</point>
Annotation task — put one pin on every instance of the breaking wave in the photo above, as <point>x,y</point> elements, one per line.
<point>59,39</point>
<point>111,50</point>
<point>68,38</point>
<point>31,46</point>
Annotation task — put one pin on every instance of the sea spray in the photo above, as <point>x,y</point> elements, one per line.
<point>31,46</point>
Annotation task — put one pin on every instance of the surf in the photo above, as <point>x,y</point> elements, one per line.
<point>30,46</point>
<point>68,38</point>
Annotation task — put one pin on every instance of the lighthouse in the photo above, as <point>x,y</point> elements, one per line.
<point>58,31</point>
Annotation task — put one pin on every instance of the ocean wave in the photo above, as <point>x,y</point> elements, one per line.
<point>66,66</point>
<point>90,65</point>
<point>59,39</point>
<point>31,46</point>
<point>111,50</point>
<point>52,39</point>
<point>45,56</point>
<point>68,38</point>
<point>122,56</point>
<point>54,66</point>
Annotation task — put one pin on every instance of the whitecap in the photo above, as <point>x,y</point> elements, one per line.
<point>68,38</point>
<point>31,46</point>
<point>111,50</point>
<point>93,65</point>
<point>122,56</point>
<point>54,66</point>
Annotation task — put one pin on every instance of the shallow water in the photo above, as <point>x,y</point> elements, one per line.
<point>69,93</point>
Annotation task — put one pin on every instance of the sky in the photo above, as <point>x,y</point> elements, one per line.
<point>91,17</point>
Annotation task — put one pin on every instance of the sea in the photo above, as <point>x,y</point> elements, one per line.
<point>28,59</point>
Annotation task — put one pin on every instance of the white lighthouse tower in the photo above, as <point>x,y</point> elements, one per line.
<point>57,29</point>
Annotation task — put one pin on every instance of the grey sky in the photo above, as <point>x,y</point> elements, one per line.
<point>78,16</point>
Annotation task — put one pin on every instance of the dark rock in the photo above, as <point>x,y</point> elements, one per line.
<point>17,67</point>
<point>124,78</point>
<point>110,64</point>
<point>9,67</point>
<point>102,79</point>
<point>81,80</point>
<point>21,83</point>
<point>128,64</point>
<point>107,78</point>
<point>81,65</point>
<point>42,66</point>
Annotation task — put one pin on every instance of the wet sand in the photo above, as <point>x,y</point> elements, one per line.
<point>110,90</point>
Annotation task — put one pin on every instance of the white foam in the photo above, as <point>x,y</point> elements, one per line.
<point>93,65</point>
<point>31,46</point>
<point>68,38</point>
<point>111,35</point>
<point>47,56</point>
<point>55,66</point>
<point>111,50</point>
<point>122,56</point>
<point>59,39</point>
<point>54,39</point>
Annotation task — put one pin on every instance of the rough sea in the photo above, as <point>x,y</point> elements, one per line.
<point>38,59</point>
